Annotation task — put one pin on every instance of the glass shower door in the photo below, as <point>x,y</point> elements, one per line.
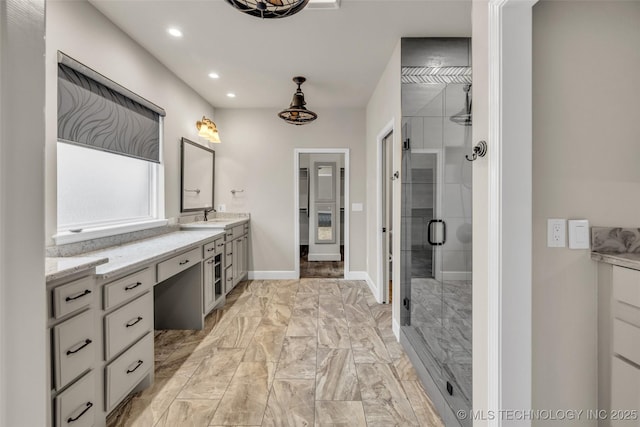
<point>436,242</point>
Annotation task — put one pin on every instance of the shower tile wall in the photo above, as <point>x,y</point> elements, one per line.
<point>430,129</point>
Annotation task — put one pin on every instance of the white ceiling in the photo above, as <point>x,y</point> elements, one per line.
<point>342,52</point>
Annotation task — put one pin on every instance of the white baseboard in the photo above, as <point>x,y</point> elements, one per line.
<point>395,327</point>
<point>325,257</point>
<point>272,275</point>
<point>356,275</point>
<point>456,275</point>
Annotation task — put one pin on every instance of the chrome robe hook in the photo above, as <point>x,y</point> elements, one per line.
<point>480,150</point>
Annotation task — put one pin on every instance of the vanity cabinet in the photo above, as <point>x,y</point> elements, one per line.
<point>236,255</point>
<point>72,349</point>
<point>212,279</point>
<point>618,341</point>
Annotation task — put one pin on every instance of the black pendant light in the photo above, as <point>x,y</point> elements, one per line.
<point>297,114</point>
<point>269,8</point>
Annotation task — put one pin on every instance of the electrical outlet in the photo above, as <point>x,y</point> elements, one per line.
<point>222,208</point>
<point>556,233</point>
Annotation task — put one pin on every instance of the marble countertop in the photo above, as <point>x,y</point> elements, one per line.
<point>628,260</point>
<point>214,224</point>
<point>136,254</point>
<point>58,268</point>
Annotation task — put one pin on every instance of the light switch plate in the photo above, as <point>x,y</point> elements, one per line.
<point>356,207</point>
<point>578,234</point>
<point>556,233</point>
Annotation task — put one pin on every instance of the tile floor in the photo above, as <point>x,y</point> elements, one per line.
<point>309,352</point>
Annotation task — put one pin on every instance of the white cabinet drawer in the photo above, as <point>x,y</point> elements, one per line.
<point>626,340</point>
<point>228,254</point>
<point>625,393</point>
<point>127,324</point>
<point>209,250</point>
<point>124,373</point>
<point>74,344</point>
<point>77,405</point>
<point>626,285</point>
<point>72,296</point>
<point>127,288</point>
<point>228,279</point>
<point>178,263</point>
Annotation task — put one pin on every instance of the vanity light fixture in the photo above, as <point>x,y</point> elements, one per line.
<point>231,95</point>
<point>269,8</point>
<point>297,113</point>
<point>208,129</point>
<point>213,75</point>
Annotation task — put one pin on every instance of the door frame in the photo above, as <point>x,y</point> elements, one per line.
<point>386,130</point>
<point>296,203</point>
<point>502,338</point>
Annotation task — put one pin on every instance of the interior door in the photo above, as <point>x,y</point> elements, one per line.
<point>387,216</point>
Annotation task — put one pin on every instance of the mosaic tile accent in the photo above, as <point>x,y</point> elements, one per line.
<point>615,240</point>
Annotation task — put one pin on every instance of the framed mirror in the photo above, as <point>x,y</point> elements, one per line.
<point>196,176</point>
<point>325,182</point>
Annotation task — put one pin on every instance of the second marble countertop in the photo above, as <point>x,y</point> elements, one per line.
<point>58,268</point>
<point>132,255</point>
<point>628,260</point>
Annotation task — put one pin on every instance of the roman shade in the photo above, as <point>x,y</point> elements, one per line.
<point>98,113</point>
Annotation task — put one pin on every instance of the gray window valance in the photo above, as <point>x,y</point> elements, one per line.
<point>96,112</point>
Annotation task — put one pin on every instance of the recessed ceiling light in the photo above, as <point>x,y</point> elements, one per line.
<point>214,75</point>
<point>231,95</point>
<point>174,32</point>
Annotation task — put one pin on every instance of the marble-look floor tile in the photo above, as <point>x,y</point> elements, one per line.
<point>329,288</point>
<point>382,315</point>
<point>331,309</point>
<point>404,369</point>
<point>238,333</point>
<point>183,361</point>
<point>422,406</point>
<point>378,381</point>
<point>277,314</point>
<point>389,412</point>
<point>359,315</point>
<point>165,342</point>
<point>333,333</point>
<point>339,414</point>
<point>368,346</point>
<point>302,327</point>
<point>286,297</point>
<point>336,377</point>
<point>192,413</point>
<point>291,404</point>
<point>245,400</point>
<point>212,377</point>
<point>266,344</point>
<point>298,358</point>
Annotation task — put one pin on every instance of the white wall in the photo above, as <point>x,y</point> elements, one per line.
<point>22,289</point>
<point>384,107</point>
<point>585,157</point>
<point>256,155</point>
<point>79,30</point>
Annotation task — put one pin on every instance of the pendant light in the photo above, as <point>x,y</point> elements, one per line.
<point>269,8</point>
<point>297,114</point>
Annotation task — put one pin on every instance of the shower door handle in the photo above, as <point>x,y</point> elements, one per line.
<point>444,232</point>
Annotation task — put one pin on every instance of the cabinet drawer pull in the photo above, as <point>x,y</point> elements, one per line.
<point>135,285</point>
<point>138,364</point>
<point>220,245</point>
<point>210,249</point>
<point>130,324</point>
<point>184,262</point>
<point>87,406</point>
<point>210,261</point>
<point>80,295</point>
<point>230,253</point>
<point>229,279</point>
<point>84,344</point>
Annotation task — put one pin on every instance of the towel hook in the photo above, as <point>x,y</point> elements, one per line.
<point>480,150</point>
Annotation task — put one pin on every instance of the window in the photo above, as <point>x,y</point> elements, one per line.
<point>102,190</point>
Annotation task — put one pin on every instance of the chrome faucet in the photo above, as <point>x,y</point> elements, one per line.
<point>206,211</point>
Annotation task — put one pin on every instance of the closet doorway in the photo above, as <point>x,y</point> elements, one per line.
<point>321,178</point>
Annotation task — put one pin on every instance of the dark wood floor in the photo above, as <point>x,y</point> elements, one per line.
<point>324,269</point>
